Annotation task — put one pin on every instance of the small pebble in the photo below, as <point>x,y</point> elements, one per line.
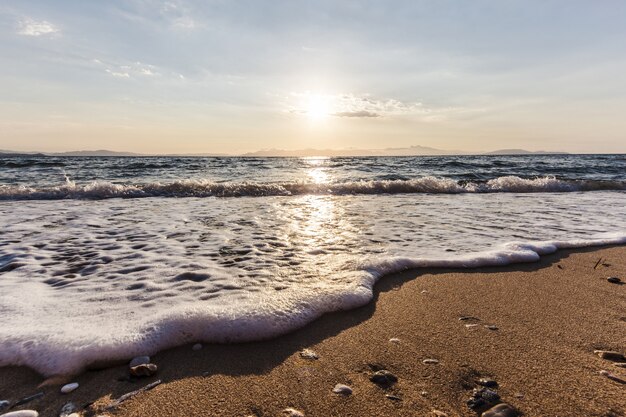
<point>147,369</point>
<point>4,404</point>
<point>438,413</point>
<point>342,389</point>
<point>139,360</point>
<point>482,398</point>
<point>67,388</point>
<point>196,347</point>
<point>21,413</point>
<point>68,410</point>
<point>518,395</point>
<point>610,355</point>
<point>383,378</point>
<point>614,280</point>
<point>424,291</point>
<point>430,361</point>
<point>471,326</point>
<point>500,410</point>
<point>394,340</point>
<point>465,318</point>
<point>491,327</point>
<point>292,412</point>
<point>424,393</point>
<point>393,397</point>
<point>309,354</point>
<point>487,382</point>
<point>609,375</point>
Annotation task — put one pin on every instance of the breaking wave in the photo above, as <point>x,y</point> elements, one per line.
<point>205,188</point>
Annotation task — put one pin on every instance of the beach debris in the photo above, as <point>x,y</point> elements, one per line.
<point>196,347</point>
<point>500,410</point>
<point>342,389</point>
<point>424,292</point>
<point>147,369</point>
<point>597,264</point>
<point>614,280</point>
<point>620,364</point>
<point>438,413</point>
<point>491,327</point>
<point>68,409</point>
<point>519,395</point>
<point>471,326</point>
<point>559,266</point>
<point>4,404</point>
<point>292,412</point>
<point>28,399</point>
<point>430,361</point>
<point>610,355</point>
<point>309,354</point>
<point>469,318</point>
<point>487,382</point>
<point>21,413</point>
<point>424,393</point>
<point>393,397</point>
<point>131,394</point>
<point>67,388</point>
<point>612,377</point>
<point>482,398</point>
<point>139,360</point>
<point>394,340</point>
<point>383,378</point>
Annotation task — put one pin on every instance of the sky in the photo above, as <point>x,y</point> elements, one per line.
<point>231,76</point>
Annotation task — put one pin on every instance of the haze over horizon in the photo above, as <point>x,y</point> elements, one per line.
<point>234,77</point>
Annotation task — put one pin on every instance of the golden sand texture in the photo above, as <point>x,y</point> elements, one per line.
<point>550,317</point>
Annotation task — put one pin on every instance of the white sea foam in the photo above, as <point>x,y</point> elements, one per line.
<point>206,188</point>
<point>90,281</point>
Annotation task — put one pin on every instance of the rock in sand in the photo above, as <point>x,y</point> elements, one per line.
<point>292,412</point>
<point>4,404</point>
<point>139,360</point>
<point>342,389</point>
<point>609,375</point>
<point>500,410</point>
<point>384,378</point>
<point>67,388</point>
<point>614,280</point>
<point>68,410</point>
<point>482,398</point>
<point>21,413</point>
<point>309,354</point>
<point>430,361</point>
<point>147,369</point>
<point>610,355</point>
<point>487,382</point>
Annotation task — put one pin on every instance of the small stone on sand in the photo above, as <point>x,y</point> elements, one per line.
<point>438,413</point>
<point>394,340</point>
<point>342,389</point>
<point>21,413</point>
<point>614,280</point>
<point>430,361</point>
<point>482,399</point>
<point>147,369</point>
<point>139,360</point>
<point>68,409</point>
<point>393,397</point>
<point>610,355</point>
<point>196,347</point>
<point>469,318</point>
<point>309,354</point>
<point>67,388</point>
<point>500,410</point>
<point>383,378</point>
<point>292,412</point>
<point>491,327</point>
<point>487,382</point>
<point>471,326</point>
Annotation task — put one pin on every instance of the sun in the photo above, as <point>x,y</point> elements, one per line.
<point>317,107</point>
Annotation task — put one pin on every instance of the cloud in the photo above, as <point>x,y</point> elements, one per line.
<point>132,70</point>
<point>360,113</point>
<point>31,27</point>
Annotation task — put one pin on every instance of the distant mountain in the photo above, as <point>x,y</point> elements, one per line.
<point>101,152</point>
<point>410,151</point>
<point>522,152</point>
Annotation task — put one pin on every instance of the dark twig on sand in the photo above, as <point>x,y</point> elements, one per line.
<point>131,394</point>
<point>597,263</point>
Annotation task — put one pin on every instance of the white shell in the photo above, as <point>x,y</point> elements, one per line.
<point>66,389</point>
<point>430,361</point>
<point>394,340</point>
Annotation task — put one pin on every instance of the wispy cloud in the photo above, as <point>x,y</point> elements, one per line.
<point>133,70</point>
<point>31,27</point>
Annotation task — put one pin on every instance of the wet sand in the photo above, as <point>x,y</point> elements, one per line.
<point>550,317</point>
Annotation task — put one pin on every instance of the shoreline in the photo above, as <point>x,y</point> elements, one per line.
<point>550,315</point>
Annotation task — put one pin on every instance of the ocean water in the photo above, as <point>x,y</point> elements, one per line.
<point>107,258</point>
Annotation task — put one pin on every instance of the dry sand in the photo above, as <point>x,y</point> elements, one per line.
<point>550,315</point>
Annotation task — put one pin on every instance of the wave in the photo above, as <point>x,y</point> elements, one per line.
<point>204,188</point>
<point>67,352</point>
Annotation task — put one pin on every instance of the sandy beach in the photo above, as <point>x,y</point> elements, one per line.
<point>546,319</point>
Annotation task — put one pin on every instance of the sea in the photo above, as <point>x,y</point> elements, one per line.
<point>106,258</point>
